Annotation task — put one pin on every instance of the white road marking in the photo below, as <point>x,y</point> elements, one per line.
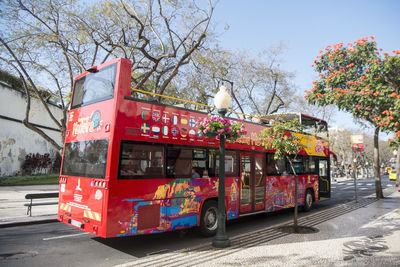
<point>63,236</point>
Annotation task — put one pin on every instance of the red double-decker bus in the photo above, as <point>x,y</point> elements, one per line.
<point>133,167</point>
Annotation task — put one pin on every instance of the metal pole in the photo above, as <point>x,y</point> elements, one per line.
<point>221,240</point>
<point>355,177</point>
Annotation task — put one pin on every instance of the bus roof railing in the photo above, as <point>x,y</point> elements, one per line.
<point>199,105</point>
<point>248,118</point>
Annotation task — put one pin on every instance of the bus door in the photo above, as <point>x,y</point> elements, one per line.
<point>252,182</point>
<point>324,180</point>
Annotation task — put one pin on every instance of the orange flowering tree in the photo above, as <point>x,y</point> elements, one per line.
<point>361,79</point>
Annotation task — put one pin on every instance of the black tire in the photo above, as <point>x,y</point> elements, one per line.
<point>308,200</point>
<point>208,219</point>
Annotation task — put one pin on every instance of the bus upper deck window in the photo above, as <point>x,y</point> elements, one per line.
<point>95,86</point>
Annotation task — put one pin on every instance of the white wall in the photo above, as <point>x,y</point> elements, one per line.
<point>16,141</point>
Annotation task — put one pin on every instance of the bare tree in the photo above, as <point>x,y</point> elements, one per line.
<point>258,85</point>
<point>341,145</point>
<point>48,43</point>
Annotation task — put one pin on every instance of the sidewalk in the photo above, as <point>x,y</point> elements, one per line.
<point>368,236</point>
<point>13,211</point>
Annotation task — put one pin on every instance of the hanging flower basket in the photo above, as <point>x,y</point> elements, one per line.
<point>215,127</point>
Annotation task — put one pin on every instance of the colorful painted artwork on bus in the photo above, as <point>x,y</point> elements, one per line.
<point>175,205</point>
<point>233,208</point>
<point>280,191</point>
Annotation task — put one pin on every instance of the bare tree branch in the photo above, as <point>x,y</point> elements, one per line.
<point>31,82</point>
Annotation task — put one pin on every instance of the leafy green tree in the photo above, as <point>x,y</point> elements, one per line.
<point>361,79</point>
<point>278,138</point>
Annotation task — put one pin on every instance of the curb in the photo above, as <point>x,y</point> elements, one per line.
<point>14,224</point>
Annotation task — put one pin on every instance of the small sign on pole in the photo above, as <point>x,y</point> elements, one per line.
<point>357,142</point>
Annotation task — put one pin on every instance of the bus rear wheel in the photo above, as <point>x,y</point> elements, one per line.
<point>308,200</point>
<point>208,219</point>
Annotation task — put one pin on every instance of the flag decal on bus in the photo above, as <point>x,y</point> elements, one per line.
<point>175,119</point>
<point>192,122</point>
<point>165,130</point>
<point>184,121</point>
<point>175,131</point>
<point>184,132</point>
<point>156,116</point>
<point>155,129</point>
<point>192,133</point>
<point>145,128</point>
<point>165,118</point>
<point>145,115</point>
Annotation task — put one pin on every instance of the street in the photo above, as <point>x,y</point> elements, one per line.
<point>56,244</point>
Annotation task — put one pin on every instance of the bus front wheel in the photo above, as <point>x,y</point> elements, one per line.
<point>208,219</point>
<point>308,200</point>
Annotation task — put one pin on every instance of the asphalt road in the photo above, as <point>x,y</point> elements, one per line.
<point>56,244</point>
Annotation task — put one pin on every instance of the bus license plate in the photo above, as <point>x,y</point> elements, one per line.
<point>76,223</point>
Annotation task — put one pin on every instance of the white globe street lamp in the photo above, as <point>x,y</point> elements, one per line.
<point>222,101</point>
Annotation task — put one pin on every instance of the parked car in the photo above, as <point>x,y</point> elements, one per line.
<point>392,175</point>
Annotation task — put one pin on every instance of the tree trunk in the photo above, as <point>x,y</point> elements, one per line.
<point>378,186</point>
<point>296,206</point>
<point>398,167</point>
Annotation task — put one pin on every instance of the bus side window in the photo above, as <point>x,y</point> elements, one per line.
<point>297,165</point>
<point>231,164</point>
<point>276,166</point>
<point>182,161</point>
<point>309,164</point>
<point>140,161</point>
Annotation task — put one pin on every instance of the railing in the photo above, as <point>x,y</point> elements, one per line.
<point>197,105</point>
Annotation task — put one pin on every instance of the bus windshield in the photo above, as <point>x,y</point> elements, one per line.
<point>85,158</point>
<point>94,87</point>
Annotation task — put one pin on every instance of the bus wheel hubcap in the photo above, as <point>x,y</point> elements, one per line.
<point>309,199</point>
<point>211,218</point>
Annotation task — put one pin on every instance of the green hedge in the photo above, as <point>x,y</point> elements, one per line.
<point>30,180</point>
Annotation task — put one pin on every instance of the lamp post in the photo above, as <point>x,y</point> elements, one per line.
<point>355,177</point>
<point>222,101</point>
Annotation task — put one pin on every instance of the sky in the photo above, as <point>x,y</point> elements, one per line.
<point>306,27</point>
